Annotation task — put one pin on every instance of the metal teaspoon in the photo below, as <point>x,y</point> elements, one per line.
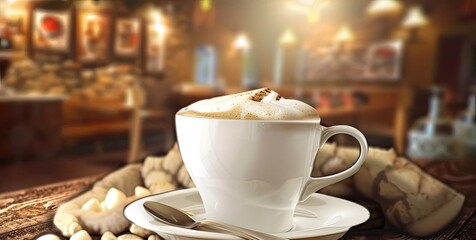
<point>175,217</point>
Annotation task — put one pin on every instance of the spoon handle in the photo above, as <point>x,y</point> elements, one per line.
<point>238,231</point>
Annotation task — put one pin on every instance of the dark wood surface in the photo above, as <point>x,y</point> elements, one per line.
<point>26,214</point>
<point>30,126</point>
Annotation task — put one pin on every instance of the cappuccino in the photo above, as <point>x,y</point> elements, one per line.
<point>259,104</point>
<point>228,155</point>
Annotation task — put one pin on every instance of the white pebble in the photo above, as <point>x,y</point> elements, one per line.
<point>142,232</point>
<point>157,176</point>
<point>129,237</point>
<point>154,237</point>
<point>108,236</point>
<point>81,235</point>
<point>103,206</point>
<point>114,198</point>
<point>173,161</point>
<point>67,223</point>
<point>92,204</point>
<point>162,187</point>
<point>48,237</point>
<point>72,229</point>
<point>151,164</point>
<point>140,191</point>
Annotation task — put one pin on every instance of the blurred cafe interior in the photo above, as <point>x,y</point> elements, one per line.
<point>88,86</point>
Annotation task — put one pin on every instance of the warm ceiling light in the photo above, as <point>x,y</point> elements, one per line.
<point>287,37</point>
<point>155,15</point>
<point>384,7</point>
<point>306,3</point>
<point>206,5</point>
<point>344,35</point>
<point>159,28</point>
<point>312,8</point>
<point>242,42</point>
<point>314,13</point>
<point>415,18</point>
<point>92,17</point>
<point>157,21</point>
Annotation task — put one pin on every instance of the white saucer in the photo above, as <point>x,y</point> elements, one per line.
<point>319,216</point>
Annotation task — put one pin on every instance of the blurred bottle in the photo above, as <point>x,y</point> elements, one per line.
<point>432,137</point>
<point>465,128</point>
<point>206,65</point>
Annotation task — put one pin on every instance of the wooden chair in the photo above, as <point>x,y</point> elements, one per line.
<point>156,117</point>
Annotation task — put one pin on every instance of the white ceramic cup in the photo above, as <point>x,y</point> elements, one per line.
<point>252,173</point>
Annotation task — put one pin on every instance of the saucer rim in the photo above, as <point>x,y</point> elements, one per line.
<point>191,233</point>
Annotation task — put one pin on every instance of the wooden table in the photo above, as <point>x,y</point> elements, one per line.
<point>28,213</point>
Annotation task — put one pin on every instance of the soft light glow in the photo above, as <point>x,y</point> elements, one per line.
<point>314,13</point>
<point>91,17</point>
<point>288,37</point>
<point>157,22</point>
<point>10,7</point>
<point>159,28</point>
<point>415,18</point>
<point>14,11</point>
<point>242,42</point>
<point>312,8</point>
<point>206,5</point>
<point>313,16</point>
<point>344,35</point>
<point>384,7</point>
<point>306,3</point>
<point>155,15</point>
<point>93,24</point>
<point>2,8</point>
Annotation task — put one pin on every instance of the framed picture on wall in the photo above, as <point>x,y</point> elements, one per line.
<point>51,30</point>
<point>384,60</point>
<point>127,37</point>
<point>93,34</point>
<point>17,21</point>
<point>154,50</point>
<point>328,64</point>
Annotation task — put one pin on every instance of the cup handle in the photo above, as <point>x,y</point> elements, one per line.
<point>314,184</point>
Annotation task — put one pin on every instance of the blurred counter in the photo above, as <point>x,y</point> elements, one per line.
<point>31,98</point>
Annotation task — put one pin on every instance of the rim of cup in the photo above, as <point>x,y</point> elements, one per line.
<point>309,120</point>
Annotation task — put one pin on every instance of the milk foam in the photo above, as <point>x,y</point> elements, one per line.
<point>259,104</point>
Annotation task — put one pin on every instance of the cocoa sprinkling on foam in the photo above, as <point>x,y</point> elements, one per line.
<point>256,104</point>
<point>259,96</point>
